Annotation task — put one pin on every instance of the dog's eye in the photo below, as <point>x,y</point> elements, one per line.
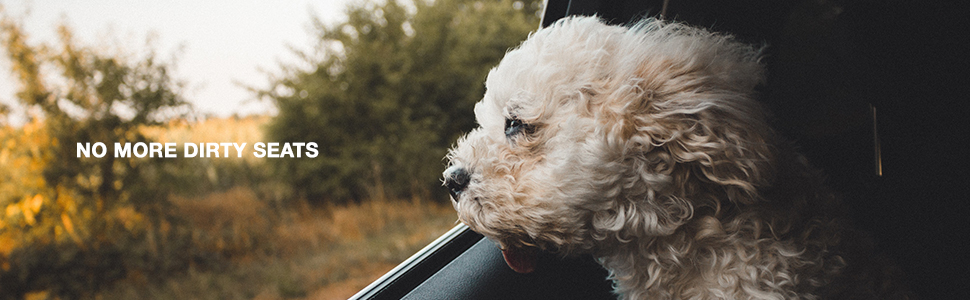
<point>514,126</point>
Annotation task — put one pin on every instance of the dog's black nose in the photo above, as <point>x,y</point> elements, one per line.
<point>456,180</point>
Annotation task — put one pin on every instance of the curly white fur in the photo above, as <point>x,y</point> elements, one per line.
<point>644,147</point>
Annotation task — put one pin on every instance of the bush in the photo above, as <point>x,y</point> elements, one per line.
<point>388,93</point>
<point>80,223</point>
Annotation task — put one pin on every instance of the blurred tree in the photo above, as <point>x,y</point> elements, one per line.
<point>390,90</point>
<point>72,224</point>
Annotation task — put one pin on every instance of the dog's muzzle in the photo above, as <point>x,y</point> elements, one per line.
<point>456,180</point>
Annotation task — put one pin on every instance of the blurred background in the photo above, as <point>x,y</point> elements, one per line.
<point>384,87</point>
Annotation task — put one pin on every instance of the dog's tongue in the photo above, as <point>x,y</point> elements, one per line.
<point>519,259</point>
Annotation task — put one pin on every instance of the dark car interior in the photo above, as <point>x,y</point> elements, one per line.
<point>872,92</point>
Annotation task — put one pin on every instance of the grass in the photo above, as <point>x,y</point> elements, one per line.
<point>290,252</point>
<point>303,253</point>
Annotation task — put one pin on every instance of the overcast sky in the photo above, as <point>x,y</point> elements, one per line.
<point>224,41</point>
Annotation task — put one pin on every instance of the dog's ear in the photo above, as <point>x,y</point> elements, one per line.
<point>713,144</point>
<point>693,111</point>
<point>689,126</point>
<point>681,152</point>
<point>677,112</point>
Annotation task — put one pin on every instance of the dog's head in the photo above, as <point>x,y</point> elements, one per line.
<point>594,134</point>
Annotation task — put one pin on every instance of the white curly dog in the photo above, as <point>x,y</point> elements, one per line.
<point>644,147</point>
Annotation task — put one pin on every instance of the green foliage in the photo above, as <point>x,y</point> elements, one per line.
<point>390,90</point>
<point>72,224</point>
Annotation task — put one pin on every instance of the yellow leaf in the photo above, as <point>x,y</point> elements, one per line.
<point>12,210</point>
<point>36,202</point>
<point>69,226</point>
<point>29,217</point>
<point>28,214</point>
